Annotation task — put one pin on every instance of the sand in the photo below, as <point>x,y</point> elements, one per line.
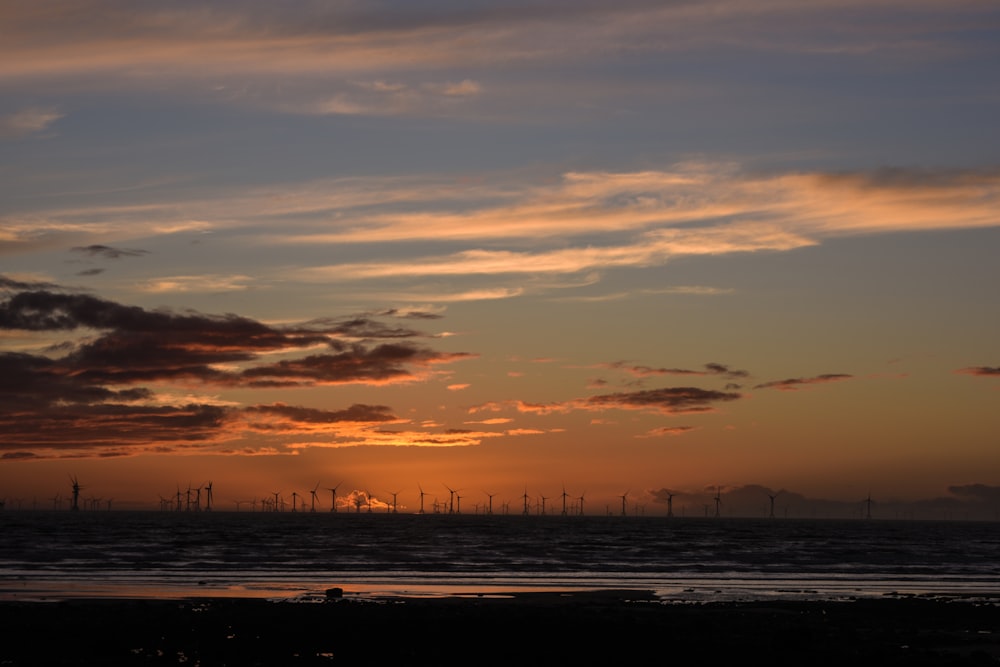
<point>584,628</point>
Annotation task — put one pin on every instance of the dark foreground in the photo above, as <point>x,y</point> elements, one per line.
<point>527,629</point>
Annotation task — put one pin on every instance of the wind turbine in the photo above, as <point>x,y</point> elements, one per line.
<point>525,497</point>
<point>422,494</point>
<point>564,496</point>
<point>489,509</point>
<point>772,497</point>
<point>623,496</point>
<point>581,502</point>
<point>718,501</point>
<point>312,507</point>
<point>333,497</point>
<point>394,494</point>
<point>76,493</point>
<point>670,504</point>
<point>276,494</point>
<point>451,501</point>
<point>868,506</point>
<point>208,496</point>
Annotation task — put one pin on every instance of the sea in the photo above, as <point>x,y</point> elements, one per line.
<point>299,557</point>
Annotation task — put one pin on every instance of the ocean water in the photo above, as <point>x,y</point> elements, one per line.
<point>297,556</point>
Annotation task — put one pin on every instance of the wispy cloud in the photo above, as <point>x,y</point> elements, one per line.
<point>647,371</point>
<point>794,384</point>
<point>664,401</point>
<point>666,431</point>
<point>27,122</point>
<point>251,53</point>
<point>202,283</point>
<point>982,371</point>
<point>580,225</point>
<point>107,252</point>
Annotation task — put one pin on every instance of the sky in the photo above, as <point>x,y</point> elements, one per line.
<point>637,248</point>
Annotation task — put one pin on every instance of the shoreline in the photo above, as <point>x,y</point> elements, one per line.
<point>587,627</point>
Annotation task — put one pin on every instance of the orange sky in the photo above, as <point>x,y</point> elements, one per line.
<point>684,249</point>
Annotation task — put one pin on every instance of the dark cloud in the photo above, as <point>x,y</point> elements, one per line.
<point>977,492</point>
<point>377,364</point>
<point>707,369</point>
<point>90,272</point>
<point>409,314</point>
<point>87,394</point>
<point>793,384</point>
<point>356,413</point>
<point>11,284</point>
<point>107,252</point>
<point>358,327</point>
<point>722,369</point>
<point>987,371</point>
<point>109,425</point>
<point>669,400</point>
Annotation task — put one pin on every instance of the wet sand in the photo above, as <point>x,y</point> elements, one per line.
<point>582,628</point>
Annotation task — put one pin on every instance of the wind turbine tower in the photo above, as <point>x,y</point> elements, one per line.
<point>451,500</point>
<point>772,497</point>
<point>333,497</point>
<point>718,501</point>
<point>312,507</point>
<point>208,496</point>
<point>623,496</point>
<point>76,494</point>
<point>422,494</point>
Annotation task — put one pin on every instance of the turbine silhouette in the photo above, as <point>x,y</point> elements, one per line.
<point>312,507</point>
<point>333,497</point>
<point>422,494</point>
<point>451,501</point>
<point>76,493</point>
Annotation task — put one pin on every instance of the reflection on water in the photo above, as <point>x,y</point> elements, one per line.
<point>300,554</point>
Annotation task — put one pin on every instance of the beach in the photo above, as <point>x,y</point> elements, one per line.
<point>583,627</point>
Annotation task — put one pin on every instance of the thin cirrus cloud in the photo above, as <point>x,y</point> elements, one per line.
<point>648,218</point>
<point>582,223</point>
<point>239,53</point>
<point>666,431</point>
<point>27,122</point>
<point>981,371</point>
<point>710,368</point>
<point>201,283</point>
<point>664,401</point>
<point>108,252</point>
<point>794,384</point>
<point>105,388</point>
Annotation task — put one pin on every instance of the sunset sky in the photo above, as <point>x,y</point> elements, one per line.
<point>614,248</point>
